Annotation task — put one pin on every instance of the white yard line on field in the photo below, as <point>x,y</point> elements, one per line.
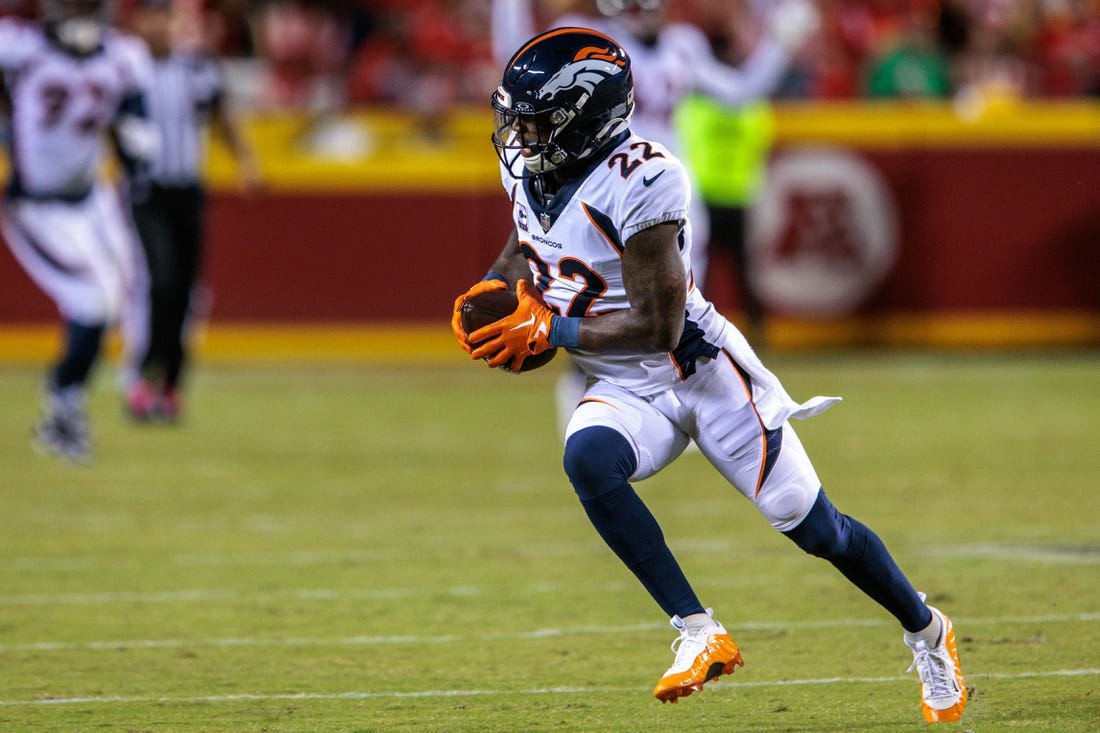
<point>355,695</point>
<point>1046,554</point>
<point>228,642</point>
<point>1037,553</point>
<point>203,595</point>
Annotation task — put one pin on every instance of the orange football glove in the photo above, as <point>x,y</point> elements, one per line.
<point>456,319</point>
<point>514,338</point>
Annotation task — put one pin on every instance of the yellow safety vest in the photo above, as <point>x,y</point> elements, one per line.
<point>726,147</point>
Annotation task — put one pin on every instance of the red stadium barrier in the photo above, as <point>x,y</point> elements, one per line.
<point>983,224</point>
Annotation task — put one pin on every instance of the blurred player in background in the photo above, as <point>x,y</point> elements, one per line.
<point>671,61</point>
<point>599,258</point>
<point>70,79</point>
<point>186,90</point>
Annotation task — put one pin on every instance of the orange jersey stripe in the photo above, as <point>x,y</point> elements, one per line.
<point>596,399</point>
<point>759,420</point>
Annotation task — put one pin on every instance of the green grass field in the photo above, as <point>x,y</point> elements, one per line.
<point>395,548</point>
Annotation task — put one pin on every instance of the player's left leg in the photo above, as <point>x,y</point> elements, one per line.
<point>771,468</point>
<point>857,552</point>
<point>613,437</point>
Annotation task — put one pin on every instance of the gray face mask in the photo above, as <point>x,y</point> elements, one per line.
<point>82,35</point>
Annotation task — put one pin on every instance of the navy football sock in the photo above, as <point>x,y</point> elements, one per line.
<point>81,349</point>
<point>598,461</point>
<point>860,555</point>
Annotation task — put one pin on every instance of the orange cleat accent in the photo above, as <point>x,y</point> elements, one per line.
<point>943,689</point>
<point>700,658</point>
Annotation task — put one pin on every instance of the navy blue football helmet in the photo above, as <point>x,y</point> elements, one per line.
<point>565,94</point>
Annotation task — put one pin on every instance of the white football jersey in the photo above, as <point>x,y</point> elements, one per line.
<point>574,248</point>
<point>62,104</point>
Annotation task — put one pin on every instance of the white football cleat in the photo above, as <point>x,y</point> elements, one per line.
<point>700,657</point>
<point>63,428</point>
<point>943,689</point>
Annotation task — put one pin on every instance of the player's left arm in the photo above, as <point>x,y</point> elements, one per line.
<point>133,133</point>
<point>656,286</point>
<point>651,219</point>
<point>136,138</point>
<point>17,46</point>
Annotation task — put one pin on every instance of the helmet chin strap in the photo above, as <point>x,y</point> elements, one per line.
<point>82,35</point>
<point>543,163</point>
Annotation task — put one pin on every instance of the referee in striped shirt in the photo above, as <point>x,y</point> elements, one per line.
<point>186,94</point>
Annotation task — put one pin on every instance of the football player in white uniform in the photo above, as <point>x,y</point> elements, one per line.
<point>70,79</point>
<point>599,261</point>
<point>671,61</point>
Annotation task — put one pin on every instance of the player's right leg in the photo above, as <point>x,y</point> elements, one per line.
<point>58,245</point>
<point>613,437</point>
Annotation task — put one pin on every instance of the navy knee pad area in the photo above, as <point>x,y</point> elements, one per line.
<point>825,532</point>
<point>860,555</point>
<point>598,460</point>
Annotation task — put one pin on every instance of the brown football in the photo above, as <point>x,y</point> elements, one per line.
<point>491,306</point>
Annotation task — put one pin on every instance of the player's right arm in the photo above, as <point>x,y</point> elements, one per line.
<point>18,42</point>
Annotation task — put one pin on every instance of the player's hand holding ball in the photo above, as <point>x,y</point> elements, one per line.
<point>485,286</point>
<point>510,331</point>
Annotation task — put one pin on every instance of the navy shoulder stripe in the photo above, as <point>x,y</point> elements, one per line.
<point>606,227</point>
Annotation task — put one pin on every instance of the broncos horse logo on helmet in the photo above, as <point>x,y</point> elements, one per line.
<point>592,67</point>
<point>564,95</point>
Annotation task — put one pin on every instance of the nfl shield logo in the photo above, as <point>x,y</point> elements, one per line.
<point>545,221</point>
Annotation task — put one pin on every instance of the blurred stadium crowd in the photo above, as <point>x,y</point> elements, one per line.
<point>430,54</point>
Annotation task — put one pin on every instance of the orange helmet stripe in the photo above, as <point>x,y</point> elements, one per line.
<point>560,32</point>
